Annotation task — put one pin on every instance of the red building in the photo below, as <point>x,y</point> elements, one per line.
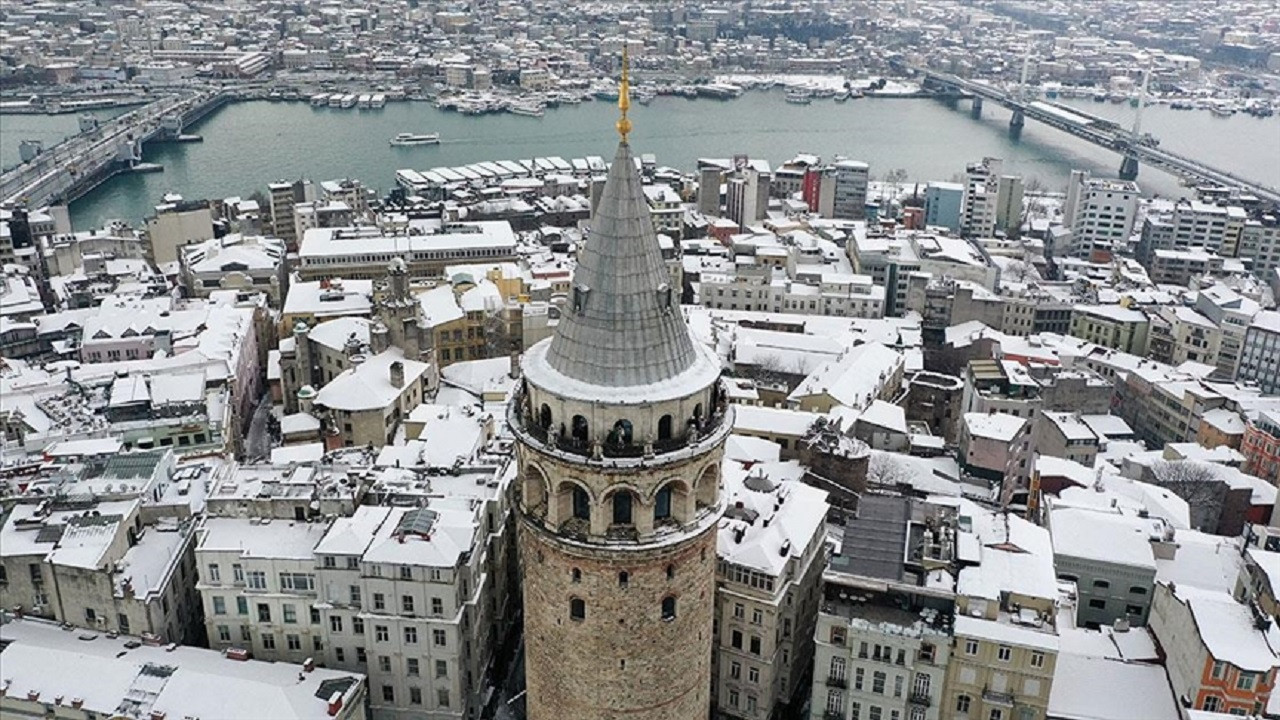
<point>1261,447</point>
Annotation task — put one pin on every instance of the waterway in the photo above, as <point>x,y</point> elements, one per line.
<point>48,129</point>
<point>247,145</point>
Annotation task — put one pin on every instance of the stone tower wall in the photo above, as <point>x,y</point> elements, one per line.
<point>623,660</point>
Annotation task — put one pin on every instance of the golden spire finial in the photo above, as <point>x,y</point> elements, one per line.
<point>624,94</point>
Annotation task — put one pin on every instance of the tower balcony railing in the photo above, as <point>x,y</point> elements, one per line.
<point>696,431</point>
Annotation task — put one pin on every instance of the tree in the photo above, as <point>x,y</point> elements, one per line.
<point>1197,483</point>
<point>888,469</point>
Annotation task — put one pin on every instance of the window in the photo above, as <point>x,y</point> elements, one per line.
<point>755,645</point>
<point>439,638</point>
<point>970,647</point>
<point>406,572</point>
<point>268,641</point>
<point>753,675</point>
<point>442,697</point>
<point>406,604</point>
<point>437,606</point>
<point>415,696</point>
<point>1219,669</point>
<point>897,685</point>
<point>577,609</point>
<point>1245,681</point>
<point>339,655</point>
<point>996,714</point>
<point>962,703</point>
<point>1133,610</point>
<point>1137,590</point>
<point>355,594</point>
<point>1101,584</point>
<point>300,582</point>
<point>224,633</point>
<point>290,613</point>
<point>214,574</point>
<point>739,611</point>
<point>357,625</point>
<point>264,612</point>
<point>388,694</point>
<point>257,580</point>
<point>335,623</point>
<point>219,605</point>
<point>624,578</point>
<point>329,560</point>
<point>1212,703</point>
<point>1004,653</point>
<point>411,636</point>
<point>877,682</point>
<point>875,712</point>
<point>1037,659</point>
<point>859,677</point>
<point>1098,604</point>
<point>735,639</point>
<point>671,572</point>
<point>380,633</point>
<point>442,668</point>
<point>668,608</point>
<point>622,508</point>
<point>379,601</point>
<point>757,616</point>
<point>361,656</point>
<point>293,642</point>
<point>242,606</point>
<point>237,573</point>
<point>835,702</point>
<point>733,698</point>
<point>384,663</point>
<point>411,667</point>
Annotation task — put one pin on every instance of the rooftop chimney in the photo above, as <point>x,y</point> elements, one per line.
<point>397,374</point>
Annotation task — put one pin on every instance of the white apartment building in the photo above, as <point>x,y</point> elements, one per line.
<point>258,586</point>
<point>881,650</point>
<point>1232,313</point>
<point>981,200</point>
<point>1260,242</point>
<point>849,201</point>
<point>666,210</point>
<point>1104,215</point>
<point>1260,354</point>
<point>769,289</point>
<point>771,552</point>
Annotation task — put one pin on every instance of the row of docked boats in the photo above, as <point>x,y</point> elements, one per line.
<point>346,101</point>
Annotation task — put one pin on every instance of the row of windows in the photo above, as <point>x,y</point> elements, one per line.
<point>578,608</point>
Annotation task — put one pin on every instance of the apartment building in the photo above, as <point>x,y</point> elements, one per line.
<point>771,553</point>
<point>236,262</point>
<point>1260,353</point>
<point>426,247</point>
<point>1179,334</point>
<point>1231,313</point>
<point>1104,216</point>
<point>258,586</point>
<point>1261,446</point>
<point>1112,326</point>
<point>1108,554</point>
<point>1005,637</point>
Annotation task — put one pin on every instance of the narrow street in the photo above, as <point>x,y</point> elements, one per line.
<point>257,444</point>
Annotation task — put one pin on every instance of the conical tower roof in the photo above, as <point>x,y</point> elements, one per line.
<point>623,326</point>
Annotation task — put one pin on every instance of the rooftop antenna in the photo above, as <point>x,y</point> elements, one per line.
<point>624,94</point>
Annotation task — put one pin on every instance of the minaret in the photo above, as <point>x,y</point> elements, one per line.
<point>621,423</point>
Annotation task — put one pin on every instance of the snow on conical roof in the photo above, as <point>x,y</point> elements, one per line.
<point>623,327</point>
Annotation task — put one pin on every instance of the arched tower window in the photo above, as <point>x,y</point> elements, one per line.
<point>580,428</point>
<point>669,608</point>
<point>622,508</point>
<point>624,578</point>
<point>581,504</point>
<point>671,572</point>
<point>662,504</point>
<point>577,609</point>
<point>664,427</point>
<point>697,412</point>
<point>544,416</point>
<point>621,433</point>
<point>576,575</point>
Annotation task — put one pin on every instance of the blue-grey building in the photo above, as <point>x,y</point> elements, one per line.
<point>942,203</point>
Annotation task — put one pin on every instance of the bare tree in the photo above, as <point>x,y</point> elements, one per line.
<point>1199,484</point>
<point>887,469</point>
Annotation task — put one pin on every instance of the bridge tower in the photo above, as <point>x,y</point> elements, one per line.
<point>1016,122</point>
<point>1129,165</point>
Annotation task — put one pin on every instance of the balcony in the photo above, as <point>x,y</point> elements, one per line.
<point>521,419</point>
<point>833,715</point>
<point>999,698</point>
<point>837,681</point>
<point>920,698</point>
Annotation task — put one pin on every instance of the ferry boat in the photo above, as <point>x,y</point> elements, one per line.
<point>1223,110</point>
<point>348,101</point>
<point>320,100</point>
<point>335,100</point>
<point>411,139</point>
<point>378,100</point>
<point>799,98</point>
<point>364,100</point>
<point>527,109</point>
